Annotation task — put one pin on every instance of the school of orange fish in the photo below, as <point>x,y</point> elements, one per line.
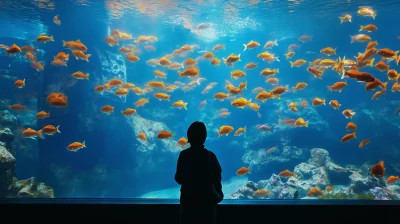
<point>346,69</point>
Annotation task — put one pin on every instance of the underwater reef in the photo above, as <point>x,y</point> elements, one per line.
<point>320,171</point>
<point>10,186</point>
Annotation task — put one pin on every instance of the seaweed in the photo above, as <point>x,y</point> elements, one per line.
<point>352,196</point>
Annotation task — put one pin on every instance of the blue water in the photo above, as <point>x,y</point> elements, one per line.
<point>110,166</point>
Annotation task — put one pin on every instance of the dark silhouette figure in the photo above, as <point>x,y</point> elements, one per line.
<point>199,174</point>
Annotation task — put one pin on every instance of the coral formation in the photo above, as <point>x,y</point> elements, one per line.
<point>320,171</point>
<point>30,188</point>
<point>284,156</point>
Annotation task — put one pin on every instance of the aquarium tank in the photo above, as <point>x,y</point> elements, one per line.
<point>300,98</point>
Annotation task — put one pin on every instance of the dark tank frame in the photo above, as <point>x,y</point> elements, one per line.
<point>229,211</point>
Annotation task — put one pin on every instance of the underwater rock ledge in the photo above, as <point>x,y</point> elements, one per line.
<point>10,186</point>
<point>320,171</point>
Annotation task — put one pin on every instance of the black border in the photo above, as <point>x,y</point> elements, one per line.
<point>229,211</point>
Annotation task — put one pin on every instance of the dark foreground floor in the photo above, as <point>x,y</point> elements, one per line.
<point>165,211</point>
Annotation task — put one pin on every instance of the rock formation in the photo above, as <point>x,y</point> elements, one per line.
<point>10,186</point>
<point>321,171</point>
<point>283,157</point>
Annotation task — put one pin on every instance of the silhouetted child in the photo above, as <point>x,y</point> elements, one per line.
<point>199,174</point>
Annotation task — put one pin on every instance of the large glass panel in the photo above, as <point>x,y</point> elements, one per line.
<point>300,98</point>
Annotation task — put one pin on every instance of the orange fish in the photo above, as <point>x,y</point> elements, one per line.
<point>315,72</point>
<point>59,101</point>
<point>250,65</point>
<point>56,20</point>
<point>37,65</point>
<point>351,126</point>
<point>315,192</point>
<point>271,44</point>
<point>182,141</point>
<point>19,83</point>
<point>381,66</point>
<point>50,129</point>
<point>328,51</point>
<point>372,44</point>
<point>289,55</point>
<point>338,86</point>
<point>141,102</point>
<point>304,103</point>
<point>305,38</point>
<point>264,96</point>
<point>369,28</point>
<point>240,131</point>
<point>387,53</point>
<point>115,82</point>
<point>62,56</point>
<point>363,143</point>
<point>278,91</point>
<point>180,104</point>
<point>164,134</point>
<point>378,170</point>
<point>57,62</point>
<point>13,50</point>
<point>189,72</point>
<point>42,115</point>
<point>44,38</point>
<point>99,89</point>
<point>75,45</point>
<point>271,149</point>
<point>31,57</point>
<point>28,49</point>
<point>300,122</point>
<point>297,63</point>
<point>218,47</point>
<point>335,104</point>
<point>232,58</point>
<point>329,188</point>
<point>111,41</point>
<point>107,109</point>
<point>224,130</point>
<point>142,136</point>
<point>121,92</point>
<point>378,94</point>
<point>132,58</point>
<point>30,133</point>
<point>360,38</point>
<point>393,75</point>
<point>252,44</point>
<point>80,75</point>
<point>392,179</point>
<point>17,107</point>
<point>272,81</point>
<point>80,55</point>
<point>162,96</point>
<point>345,18</point>
<point>243,171</point>
<point>75,146</point>
<point>348,113</point>
<point>348,137</point>
<point>150,48</point>
<point>299,86</point>
<point>318,101</point>
<point>287,173</point>
<point>261,193</point>
<point>129,112</point>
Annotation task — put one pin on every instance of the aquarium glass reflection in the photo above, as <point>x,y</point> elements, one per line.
<point>300,98</point>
